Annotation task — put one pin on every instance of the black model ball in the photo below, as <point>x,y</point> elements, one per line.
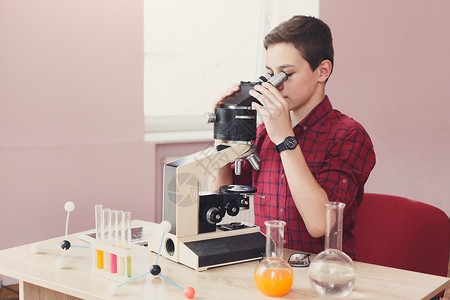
<point>65,245</point>
<point>155,270</point>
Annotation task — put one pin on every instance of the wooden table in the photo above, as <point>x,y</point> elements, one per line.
<point>39,276</point>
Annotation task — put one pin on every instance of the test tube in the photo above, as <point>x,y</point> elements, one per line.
<point>114,226</point>
<point>107,236</point>
<point>126,231</point>
<point>99,233</point>
<point>119,242</point>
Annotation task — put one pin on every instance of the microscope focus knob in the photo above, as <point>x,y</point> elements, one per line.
<point>232,209</point>
<point>245,202</point>
<point>213,215</point>
<point>209,117</point>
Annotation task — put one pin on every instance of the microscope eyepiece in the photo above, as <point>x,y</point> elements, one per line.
<point>278,79</point>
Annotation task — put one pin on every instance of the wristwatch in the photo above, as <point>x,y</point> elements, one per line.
<point>289,143</point>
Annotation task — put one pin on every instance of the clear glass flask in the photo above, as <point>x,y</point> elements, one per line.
<point>332,273</point>
<point>273,275</point>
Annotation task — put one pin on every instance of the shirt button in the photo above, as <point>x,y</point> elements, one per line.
<point>281,210</point>
<point>282,176</point>
<point>284,242</point>
<point>305,127</point>
<point>344,180</point>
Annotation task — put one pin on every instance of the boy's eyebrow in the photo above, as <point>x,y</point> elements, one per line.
<point>281,67</point>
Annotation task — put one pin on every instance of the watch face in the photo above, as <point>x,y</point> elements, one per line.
<point>291,142</point>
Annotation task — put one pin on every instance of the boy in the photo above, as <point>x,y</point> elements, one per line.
<point>310,153</point>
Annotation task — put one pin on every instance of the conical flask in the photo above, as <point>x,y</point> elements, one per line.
<point>273,275</point>
<point>332,273</point>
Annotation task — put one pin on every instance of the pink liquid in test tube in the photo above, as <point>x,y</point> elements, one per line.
<point>107,237</point>
<point>114,225</point>
<point>113,263</point>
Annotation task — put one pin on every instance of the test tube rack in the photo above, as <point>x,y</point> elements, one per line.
<point>113,254</point>
<point>118,264</point>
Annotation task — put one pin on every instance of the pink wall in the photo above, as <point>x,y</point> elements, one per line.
<point>392,61</point>
<point>71,72</point>
<point>71,116</point>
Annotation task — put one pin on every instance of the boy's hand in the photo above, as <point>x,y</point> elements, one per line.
<point>274,112</point>
<point>234,88</point>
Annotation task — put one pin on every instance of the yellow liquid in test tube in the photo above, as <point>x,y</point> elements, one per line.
<point>99,233</point>
<point>99,259</point>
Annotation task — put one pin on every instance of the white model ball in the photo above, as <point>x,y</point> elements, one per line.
<point>165,226</point>
<point>60,263</point>
<point>69,206</point>
<point>113,289</point>
<point>34,248</point>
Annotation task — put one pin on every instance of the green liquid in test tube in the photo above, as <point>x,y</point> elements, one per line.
<point>126,231</point>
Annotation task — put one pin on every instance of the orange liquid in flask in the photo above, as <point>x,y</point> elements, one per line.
<point>274,282</point>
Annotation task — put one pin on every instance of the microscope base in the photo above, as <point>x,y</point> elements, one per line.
<point>215,249</point>
<point>205,254</point>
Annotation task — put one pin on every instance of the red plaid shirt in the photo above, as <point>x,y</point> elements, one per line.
<point>339,154</point>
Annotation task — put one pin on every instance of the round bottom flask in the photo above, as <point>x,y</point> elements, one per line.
<point>332,273</point>
<point>273,275</point>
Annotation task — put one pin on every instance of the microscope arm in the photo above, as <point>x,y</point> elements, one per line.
<point>181,184</point>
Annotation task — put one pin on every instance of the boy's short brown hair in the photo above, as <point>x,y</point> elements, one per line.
<point>309,35</point>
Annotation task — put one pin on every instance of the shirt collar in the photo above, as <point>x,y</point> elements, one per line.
<point>315,115</point>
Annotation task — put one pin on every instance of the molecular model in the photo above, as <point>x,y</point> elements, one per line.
<point>113,288</point>
<point>65,244</point>
<point>155,270</point>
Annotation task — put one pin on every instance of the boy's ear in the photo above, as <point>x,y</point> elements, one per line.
<point>325,68</point>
